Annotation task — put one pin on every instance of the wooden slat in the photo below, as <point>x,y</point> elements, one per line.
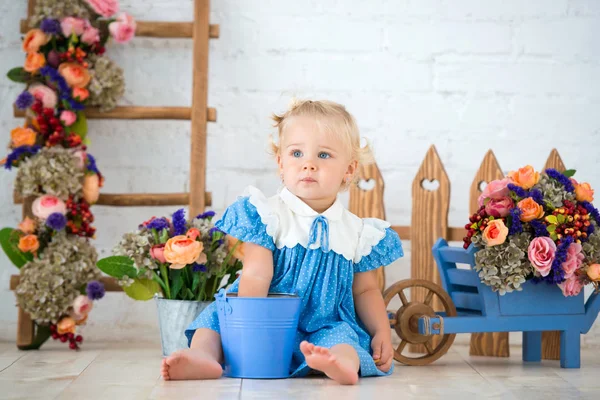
<point>139,199</point>
<point>493,344</point>
<point>451,234</point>
<point>25,325</point>
<point>199,99</point>
<point>30,10</point>
<point>156,29</point>
<point>369,203</point>
<point>140,112</point>
<point>110,283</point>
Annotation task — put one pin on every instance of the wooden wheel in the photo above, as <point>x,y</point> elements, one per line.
<point>405,320</point>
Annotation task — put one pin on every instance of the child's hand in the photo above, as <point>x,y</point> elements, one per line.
<point>382,351</point>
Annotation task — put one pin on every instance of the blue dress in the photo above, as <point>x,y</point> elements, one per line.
<point>316,256</point>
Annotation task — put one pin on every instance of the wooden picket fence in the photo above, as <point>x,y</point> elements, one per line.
<point>430,221</point>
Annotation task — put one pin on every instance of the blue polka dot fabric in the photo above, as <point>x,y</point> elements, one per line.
<point>322,279</point>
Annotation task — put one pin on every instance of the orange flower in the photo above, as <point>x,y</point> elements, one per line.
<point>29,244</point>
<point>27,225</point>
<point>91,188</point>
<point>75,75</point>
<point>22,136</point>
<point>525,177</point>
<point>80,94</point>
<point>530,210</point>
<point>193,233</point>
<point>65,325</point>
<point>34,61</point>
<point>495,233</point>
<point>593,272</point>
<point>181,250</point>
<point>584,192</point>
<point>34,39</point>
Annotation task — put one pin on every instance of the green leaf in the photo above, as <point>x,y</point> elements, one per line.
<point>549,205</point>
<point>177,279</point>
<point>551,228</point>
<point>9,241</point>
<point>117,266</point>
<point>18,74</point>
<point>553,236</point>
<point>569,173</point>
<point>164,236</point>
<point>552,219</point>
<point>195,281</point>
<point>189,294</point>
<point>80,126</point>
<point>142,289</point>
<point>561,218</point>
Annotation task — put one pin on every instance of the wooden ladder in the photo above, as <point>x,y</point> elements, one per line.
<point>200,31</point>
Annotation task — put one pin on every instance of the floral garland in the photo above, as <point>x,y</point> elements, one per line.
<point>65,71</point>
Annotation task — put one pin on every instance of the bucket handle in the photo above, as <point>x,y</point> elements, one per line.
<point>222,303</point>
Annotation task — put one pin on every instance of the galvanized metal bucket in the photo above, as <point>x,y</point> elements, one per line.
<point>174,316</point>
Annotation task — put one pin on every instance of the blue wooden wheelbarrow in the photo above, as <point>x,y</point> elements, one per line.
<point>469,306</point>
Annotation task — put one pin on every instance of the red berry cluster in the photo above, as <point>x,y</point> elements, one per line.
<point>79,218</point>
<point>73,339</point>
<point>478,223</point>
<point>52,129</point>
<point>576,224</point>
<point>74,55</point>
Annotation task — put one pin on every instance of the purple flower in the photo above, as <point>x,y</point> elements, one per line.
<point>592,210</point>
<point>56,78</point>
<point>179,223</point>
<point>24,100</point>
<point>95,290</point>
<point>515,224</point>
<point>519,191</point>
<point>50,26</point>
<point>199,267</point>
<point>208,214</point>
<point>539,229</point>
<point>18,152</point>
<point>563,180</point>
<point>91,165</point>
<point>56,221</point>
<point>537,196</point>
<point>159,224</point>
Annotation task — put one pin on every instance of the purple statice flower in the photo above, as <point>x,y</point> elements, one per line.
<point>537,196</point>
<point>515,225</point>
<point>539,229</point>
<point>199,267</point>
<point>91,164</point>
<point>159,224</point>
<point>592,210</point>
<point>563,180</point>
<point>208,214</point>
<point>56,221</point>
<point>53,76</point>
<point>18,152</point>
<point>179,223</point>
<point>557,274</point>
<point>50,26</point>
<point>24,100</point>
<point>95,290</point>
<point>519,191</point>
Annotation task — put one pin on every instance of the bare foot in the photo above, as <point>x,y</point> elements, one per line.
<point>321,359</point>
<point>190,364</point>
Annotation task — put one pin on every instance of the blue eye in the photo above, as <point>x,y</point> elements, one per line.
<point>324,155</point>
<point>297,153</point>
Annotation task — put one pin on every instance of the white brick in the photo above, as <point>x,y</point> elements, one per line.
<point>584,7</point>
<point>538,78</point>
<point>508,9</point>
<point>428,39</point>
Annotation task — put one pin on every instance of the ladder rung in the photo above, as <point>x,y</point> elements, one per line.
<point>158,29</point>
<point>141,199</point>
<point>139,112</point>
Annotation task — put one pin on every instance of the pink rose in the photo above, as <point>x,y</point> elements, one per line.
<point>499,207</point>
<point>495,190</point>
<point>123,29</point>
<point>571,287</point>
<point>47,204</point>
<point>82,305</point>
<point>495,233</point>
<point>81,156</point>
<point>158,253</point>
<point>91,35</point>
<point>106,8</point>
<point>70,25</point>
<point>574,259</point>
<point>68,117</point>
<point>44,94</point>
<point>541,252</point>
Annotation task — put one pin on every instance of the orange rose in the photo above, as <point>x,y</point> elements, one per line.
<point>22,136</point>
<point>34,61</point>
<point>91,188</point>
<point>593,272</point>
<point>495,233</point>
<point>29,243</point>
<point>82,320</point>
<point>181,250</point>
<point>75,75</point>
<point>34,39</point>
<point>193,233</point>
<point>530,210</point>
<point>584,192</point>
<point>80,94</point>
<point>65,325</point>
<point>525,177</point>
<point>27,225</point>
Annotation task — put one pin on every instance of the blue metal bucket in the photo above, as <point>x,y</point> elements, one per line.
<point>258,334</point>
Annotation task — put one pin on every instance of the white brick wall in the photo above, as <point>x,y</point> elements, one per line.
<point>466,75</point>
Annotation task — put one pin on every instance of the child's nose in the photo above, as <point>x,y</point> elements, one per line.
<point>309,166</point>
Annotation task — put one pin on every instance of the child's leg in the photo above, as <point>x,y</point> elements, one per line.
<point>340,363</point>
<point>201,361</point>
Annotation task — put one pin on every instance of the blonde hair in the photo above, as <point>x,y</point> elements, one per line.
<point>331,117</point>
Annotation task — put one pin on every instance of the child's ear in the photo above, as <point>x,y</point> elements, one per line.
<point>352,168</point>
<point>279,163</point>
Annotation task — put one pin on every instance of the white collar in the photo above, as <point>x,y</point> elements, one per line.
<point>334,212</point>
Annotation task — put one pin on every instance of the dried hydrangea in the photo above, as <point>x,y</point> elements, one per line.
<point>136,245</point>
<point>591,248</point>
<point>59,9</point>
<point>50,283</point>
<point>51,171</point>
<point>107,84</point>
<point>553,191</point>
<point>505,267</point>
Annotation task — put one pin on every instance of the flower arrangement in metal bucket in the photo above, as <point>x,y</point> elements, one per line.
<point>65,71</point>
<point>179,259</point>
<point>536,226</point>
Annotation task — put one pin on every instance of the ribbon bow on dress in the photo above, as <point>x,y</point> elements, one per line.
<point>314,233</point>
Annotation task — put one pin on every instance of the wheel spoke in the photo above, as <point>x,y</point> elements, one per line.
<point>428,298</point>
<point>403,298</point>
<point>428,347</point>
<point>401,346</point>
